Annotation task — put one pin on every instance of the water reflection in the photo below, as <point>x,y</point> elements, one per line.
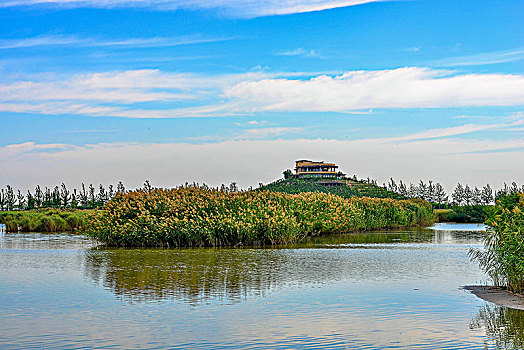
<point>451,226</point>
<point>385,290</point>
<point>504,327</point>
<point>231,275</point>
<point>191,276</point>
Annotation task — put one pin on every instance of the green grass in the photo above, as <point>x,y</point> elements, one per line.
<point>43,220</point>
<point>464,213</point>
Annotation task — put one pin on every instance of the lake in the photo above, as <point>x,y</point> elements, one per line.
<point>381,290</point>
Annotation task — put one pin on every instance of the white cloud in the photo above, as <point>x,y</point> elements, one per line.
<point>262,133</point>
<point>252,161</point>
<point>116,93</point>
<point>455,131</point>
<point>67,40</point>
<point>409,87</point>
<point>92,131</point>
<point>241,8</point>
<point>299,52</point>
<point>483,59</point>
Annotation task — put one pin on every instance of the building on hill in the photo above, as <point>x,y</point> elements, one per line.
<point>307,168</point>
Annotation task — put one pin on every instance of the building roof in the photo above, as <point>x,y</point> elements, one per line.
<point>306,163</point>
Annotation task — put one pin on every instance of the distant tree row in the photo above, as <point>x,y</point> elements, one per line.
<point>461,195</point>
<point>85,198</point>
<point>58,197</point>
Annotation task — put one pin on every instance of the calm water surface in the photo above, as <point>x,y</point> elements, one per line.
<point>384,290</point>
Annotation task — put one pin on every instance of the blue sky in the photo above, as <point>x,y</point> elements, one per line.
<point>175,91</point>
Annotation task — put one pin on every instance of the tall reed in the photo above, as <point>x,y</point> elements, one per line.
<point>503,255</point>
<point>206,217</point>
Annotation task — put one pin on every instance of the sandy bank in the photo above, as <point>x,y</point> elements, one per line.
<point>497,295</point>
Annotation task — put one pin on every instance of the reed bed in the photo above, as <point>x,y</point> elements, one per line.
<point>206,217</point>
<point>503,254</point>
<point>43,220</point>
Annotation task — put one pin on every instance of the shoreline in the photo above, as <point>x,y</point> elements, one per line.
<point>497,295</point>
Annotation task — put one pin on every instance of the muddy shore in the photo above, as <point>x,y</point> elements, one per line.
<point>497,295</point>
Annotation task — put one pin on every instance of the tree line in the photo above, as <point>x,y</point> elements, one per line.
<point>90,197</point>
<point>59,197</point>
<point>462,194</point>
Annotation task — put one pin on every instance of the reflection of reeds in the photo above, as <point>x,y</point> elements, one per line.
<point>504,326</point>
<point>202,217</point>
<point>196,276</point>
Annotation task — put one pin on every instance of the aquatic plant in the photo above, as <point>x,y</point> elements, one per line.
<point>190,216</point>
<point>43,220</point>
<point>503,255</point>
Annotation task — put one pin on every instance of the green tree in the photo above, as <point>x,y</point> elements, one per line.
<point>468,195</point>
<point>30,201</point>
<point>38,197</point>
<point>149,188</point>
<point>2,200</point>
<point>120,188</point>
<point>477,196</point>
<point>487,194</point>
<point>46,202</point>
<point>21,200</point>
<point>74,199</point>
<point>83,197</point>
<point>110,192</point>
<point>101,196</point>
<point>288,174</point>
<point>392,186</point>
<point>64,195</point>
<point>458,195</point>
<point>440,196</point>
<point>10,198</point>
<point>55,197</point>
<point>402,189</point>
<point>92,197</point>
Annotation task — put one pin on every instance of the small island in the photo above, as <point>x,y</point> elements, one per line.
<point>300,205</point>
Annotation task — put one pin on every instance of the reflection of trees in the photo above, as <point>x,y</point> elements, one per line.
<point>201,275</point>
<point>192,275</point>
<point>361,238</point>
<point>504,326</point>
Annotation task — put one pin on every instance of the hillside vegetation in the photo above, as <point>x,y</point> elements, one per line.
<point>350,188</point>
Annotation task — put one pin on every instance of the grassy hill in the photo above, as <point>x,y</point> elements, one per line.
<point>344,188</point>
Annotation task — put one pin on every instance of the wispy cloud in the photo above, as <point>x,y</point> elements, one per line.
<point>456,131</point>
<point>177,95</point>
<point>93,131</point>
<point>482,59</point>
<point>264,133</point>
<point>300,52</point>
<point>68,40</point>
<point>251,123</point>
<point>237,8</point>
